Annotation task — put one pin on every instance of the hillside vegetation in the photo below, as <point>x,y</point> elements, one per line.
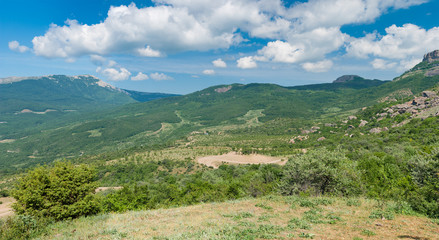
<point>362,163</point>
<point>166,120</point>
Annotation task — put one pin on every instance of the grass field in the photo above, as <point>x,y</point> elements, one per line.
<point>271,217</point>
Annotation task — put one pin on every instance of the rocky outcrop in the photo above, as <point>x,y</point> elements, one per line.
<point>378,130</point>
<point>431,56</point>
<point>363,123</point>
<point>223,89</point>
<point>346,78</point>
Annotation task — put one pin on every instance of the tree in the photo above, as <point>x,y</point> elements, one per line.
<point>320,172</point>
<point>59,192</point>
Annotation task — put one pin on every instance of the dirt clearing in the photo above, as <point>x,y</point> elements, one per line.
<point>236,158</point>
<point>6,206</point>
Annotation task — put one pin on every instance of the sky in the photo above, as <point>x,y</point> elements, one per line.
<point>182,46</point>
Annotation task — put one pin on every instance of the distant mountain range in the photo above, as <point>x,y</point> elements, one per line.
<point>123,122</point>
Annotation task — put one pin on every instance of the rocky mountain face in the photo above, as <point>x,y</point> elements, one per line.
<point>347,78</point>
<point>431,56</point>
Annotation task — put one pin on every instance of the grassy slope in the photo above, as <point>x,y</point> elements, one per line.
<point>270,217</point>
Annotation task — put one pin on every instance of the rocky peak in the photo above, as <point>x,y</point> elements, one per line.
<point>431,56</point>
<point>346,78</point>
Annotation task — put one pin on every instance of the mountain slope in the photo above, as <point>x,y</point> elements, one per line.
<point>163,120</point>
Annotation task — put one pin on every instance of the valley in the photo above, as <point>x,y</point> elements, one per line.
<point>355,159</point>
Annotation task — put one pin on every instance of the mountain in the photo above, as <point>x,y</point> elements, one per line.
<point>213,109</point>
<point>35,103</point>
<point>58,93</point>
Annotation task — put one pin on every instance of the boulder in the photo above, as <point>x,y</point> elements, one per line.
<point>352,118</point>
<point>363,123</point>
<point>321,139</point>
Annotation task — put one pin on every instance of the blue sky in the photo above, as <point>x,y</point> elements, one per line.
<point>180,46</point>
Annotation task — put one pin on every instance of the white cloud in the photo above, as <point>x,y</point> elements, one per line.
<point>306,46</point>
<point>219,63</point>
<point>127,29</point>
<point>398,43</point>
<point>209,72</point>
<point>322,13</point>
<point>160,76</point>
<point>246,63</point>
<point>114,74</point>
<point>15,46</point>
<point>317,67</point>
<point>382,64</point>
<point>399,49</point>
<point>298,34</point>
<point>140,77</point>
<point>148,52</point>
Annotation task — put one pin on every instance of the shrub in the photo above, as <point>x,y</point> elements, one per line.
<point>59,192</point>
<point>319,171</point>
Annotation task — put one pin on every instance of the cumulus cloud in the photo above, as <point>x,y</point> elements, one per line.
<point>15,46</point>
<point>219,63</point>
<point>247,63</point>
<point>299,34</point>
<point>401,46</point>
<point>321,66</point>
<point>114,74</point>
<point>209,72</point>
<point>398,43</point>
<point>140,77</point>
<point>160,77</point>
<point>148,52</point>
<point>306,46</point>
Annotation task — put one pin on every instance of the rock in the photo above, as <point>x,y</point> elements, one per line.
<point>315,128</point>
<point>429,94</point>
<point>223,89</point>
<point>321,139</point>
<point>352,118</point>
<point>305,131</point>
<point>363,123</point>
<point>292,141</point>
<point>431,56</point>
<point>363,108</point>
<point>345,121</point>
<point>375,130</point>
<point>378,130</point>
<point>330,125</point>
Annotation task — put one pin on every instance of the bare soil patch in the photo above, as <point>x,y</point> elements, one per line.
<point>101,189</point>
<point>6,206</point>
<point>236,158</point>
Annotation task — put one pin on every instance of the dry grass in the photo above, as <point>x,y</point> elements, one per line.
<point>266,218</point>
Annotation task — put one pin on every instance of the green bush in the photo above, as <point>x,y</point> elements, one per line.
<point>60,192</point>
<point>320,171</point>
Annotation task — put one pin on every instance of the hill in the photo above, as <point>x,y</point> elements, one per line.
<point>162,121</point>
